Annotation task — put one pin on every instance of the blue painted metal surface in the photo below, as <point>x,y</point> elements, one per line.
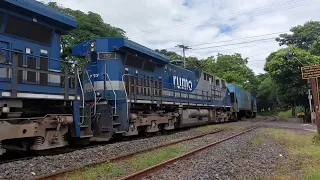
<point>38,10</point>
<point>12,45</point>
<point>76,117</point>
<point>112,44</point>
<point>244,98</point>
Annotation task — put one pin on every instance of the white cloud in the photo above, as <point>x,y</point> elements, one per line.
<point>164,23</point>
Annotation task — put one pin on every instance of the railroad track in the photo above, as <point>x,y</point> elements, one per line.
<point>64,150</point>
<point>155,168</point>
<point>57,174</point>
<point>13,157</point>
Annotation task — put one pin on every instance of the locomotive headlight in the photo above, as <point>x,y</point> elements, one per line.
<point>93,47</point>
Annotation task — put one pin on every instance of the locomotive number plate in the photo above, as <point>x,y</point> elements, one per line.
<point>106,55</point>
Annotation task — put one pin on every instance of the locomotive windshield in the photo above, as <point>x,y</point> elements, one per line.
<point>1,16</point>
<point>28,30</point>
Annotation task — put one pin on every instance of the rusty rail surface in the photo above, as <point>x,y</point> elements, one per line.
<point>155,168</point>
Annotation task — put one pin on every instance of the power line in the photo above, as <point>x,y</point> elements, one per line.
<point>244,42</point>
<point>233,40</point>
<point>238,14</point>
<point>240,38</point>
<point>234,48</point>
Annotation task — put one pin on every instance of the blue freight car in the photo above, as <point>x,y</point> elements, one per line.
<point>141,91</point>
<point>245,105</point>
<point>38,101</point>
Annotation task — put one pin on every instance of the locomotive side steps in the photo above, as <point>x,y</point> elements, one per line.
<point>85,111</point>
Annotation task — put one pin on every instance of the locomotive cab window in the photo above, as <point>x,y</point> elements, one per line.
<point>223,83</point>
<point>149,66</point>
<point>218,82</point>
<point>1,17</point>
<point>197,74</point>
<point>28,30</point>
<point>134,62</point>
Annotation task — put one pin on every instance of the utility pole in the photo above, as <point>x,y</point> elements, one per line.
<point>315,95</point>
<point>183,52</point>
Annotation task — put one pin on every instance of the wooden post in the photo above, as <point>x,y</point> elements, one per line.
<point>315,95</point>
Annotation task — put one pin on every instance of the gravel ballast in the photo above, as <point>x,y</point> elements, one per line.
<point>250,156</point>
<point>47,164</point>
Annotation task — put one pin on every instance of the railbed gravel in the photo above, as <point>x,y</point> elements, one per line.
<point>26,169</point>
<point>237,158</point>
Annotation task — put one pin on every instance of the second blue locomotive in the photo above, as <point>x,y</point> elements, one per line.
<point>134,89</point>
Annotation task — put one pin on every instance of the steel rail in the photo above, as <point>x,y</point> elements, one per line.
<point>60,173</point>
<point>121,157</point>
<point>155,168</point>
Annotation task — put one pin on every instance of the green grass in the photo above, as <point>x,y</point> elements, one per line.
<point>134,164</point>
<point>282,114</point>
<point>285,114</point>
<point>304,154</point>
<point>256,140</point>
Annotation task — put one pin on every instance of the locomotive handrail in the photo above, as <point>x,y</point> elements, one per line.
<point>114,93</point>
<point>33,55</point>
<point>125,91</point>
<point>36,70</point>
<point>95,94</point>
<point>80,84</point>
<point>200,96</point>
<point>10,62</point>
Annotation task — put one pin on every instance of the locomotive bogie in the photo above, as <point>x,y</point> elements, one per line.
<point>35,133</point>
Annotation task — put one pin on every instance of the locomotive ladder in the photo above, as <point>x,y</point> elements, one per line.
<point>85,111</point>
<point>116,124</point>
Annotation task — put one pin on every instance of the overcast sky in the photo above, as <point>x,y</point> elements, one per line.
<point>203,24</point>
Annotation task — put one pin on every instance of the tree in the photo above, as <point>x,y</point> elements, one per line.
<point>315,48</point>
<point>90,25</point>
<point>286,74</point>
<point>302,36</point>
<point>267,93</point>
<point>170,54</point>
<point>233,68</point>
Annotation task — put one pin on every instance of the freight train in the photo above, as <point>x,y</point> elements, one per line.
<point>123,89</point>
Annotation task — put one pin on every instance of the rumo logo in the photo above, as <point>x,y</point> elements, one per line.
<point>182,83</point>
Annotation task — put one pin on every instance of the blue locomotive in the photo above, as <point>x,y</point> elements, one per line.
<point>39,102</point>
<point>123,89</point>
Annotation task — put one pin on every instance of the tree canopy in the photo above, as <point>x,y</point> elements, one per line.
<point>286,73</point>
<point>90,25</point>
<point>303,36</point>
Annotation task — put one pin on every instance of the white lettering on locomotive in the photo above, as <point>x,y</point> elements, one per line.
<point>182,83</point>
